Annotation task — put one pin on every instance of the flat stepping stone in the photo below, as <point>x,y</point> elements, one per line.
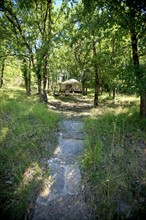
<point>72,130</point>
<point>64,180</point>
<point>69,147</point>
<point>72,180</point>
<point>71,126</point>
<point>63,208</point>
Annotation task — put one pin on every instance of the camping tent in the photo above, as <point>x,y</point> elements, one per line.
<point>72,85</point>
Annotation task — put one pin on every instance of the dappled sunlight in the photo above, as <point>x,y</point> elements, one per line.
<point>95,112</point>
<point>33,171</point>
<point>45,193</point>
<point>82,106</point>
<point>16,93</point>
<point>64,183</point>
<point>34,181</point>
<point>28,135</point>
<point>71,106</point>
<point>3,133</point>
<point>57,151</point>
<point>128,98</point>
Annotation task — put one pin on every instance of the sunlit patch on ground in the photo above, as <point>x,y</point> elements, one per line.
<point>82,106</point>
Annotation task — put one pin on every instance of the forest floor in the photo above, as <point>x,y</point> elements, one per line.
<point>77,105</point>
<point>71,106</point>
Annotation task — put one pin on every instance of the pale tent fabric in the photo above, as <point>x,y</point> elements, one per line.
<point>71,81</point>
<point>71,84</point>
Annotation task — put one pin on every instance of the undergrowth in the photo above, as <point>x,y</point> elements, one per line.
<point>114,166</point>
<point>27,138</point>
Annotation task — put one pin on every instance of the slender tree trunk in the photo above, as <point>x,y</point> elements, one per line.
<point>110,92</point>
<point>29,78</point>
<point>84,84</point>
<point>48,80</point>
<point>39,85</point>
<point>84,89</point>
<point>45,79</point>
<point>48,84</point>
<point>2,73</point>
<point>97,84</point>
<point>113,64</point>
<point>114,93</point>
<point>96,94</point>
<point>143,104</point>
<point>134,49</point>
<point>27,75</point>
<point>139,75</point>
<point>39,80</point>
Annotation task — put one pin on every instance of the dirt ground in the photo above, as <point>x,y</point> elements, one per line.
<point>72,105</point>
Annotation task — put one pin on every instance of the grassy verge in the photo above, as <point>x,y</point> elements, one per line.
<point>27,138</point>
<point>114,164</point>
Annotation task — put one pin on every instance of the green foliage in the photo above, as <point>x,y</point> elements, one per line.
<point>64,37</point>
<point>27,138</point>
<point>12,72</point>
<point>114,163</point>
<point>130,84</point>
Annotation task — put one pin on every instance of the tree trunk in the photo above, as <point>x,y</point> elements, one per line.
<point>139,75</point>
<point>143,105</point>
<point>134,48</point>
<point>29,78</point>
<point>45,80</point>
<point>39,81</point>
<point>114,93</point>
<point>96,94</point>
<point>27,75</point>
<point>83,87</point>
<point>40,86</point>
<point>97,85</point>
<point>2,73</point>
<point>48,80</point>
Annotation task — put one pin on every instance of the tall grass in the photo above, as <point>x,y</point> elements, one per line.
<point>114,166</point>
<point>27,138</point>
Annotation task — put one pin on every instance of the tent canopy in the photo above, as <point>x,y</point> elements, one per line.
<point>71,82</point>
<point>71,85</point>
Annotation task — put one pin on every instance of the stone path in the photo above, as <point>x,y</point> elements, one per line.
<point>62,198</point>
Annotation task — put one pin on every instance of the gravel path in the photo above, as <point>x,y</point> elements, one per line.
<point>62,198</point>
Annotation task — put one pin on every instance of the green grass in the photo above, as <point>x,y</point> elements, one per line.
<point>28,135</point>
<point>114,164</point>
